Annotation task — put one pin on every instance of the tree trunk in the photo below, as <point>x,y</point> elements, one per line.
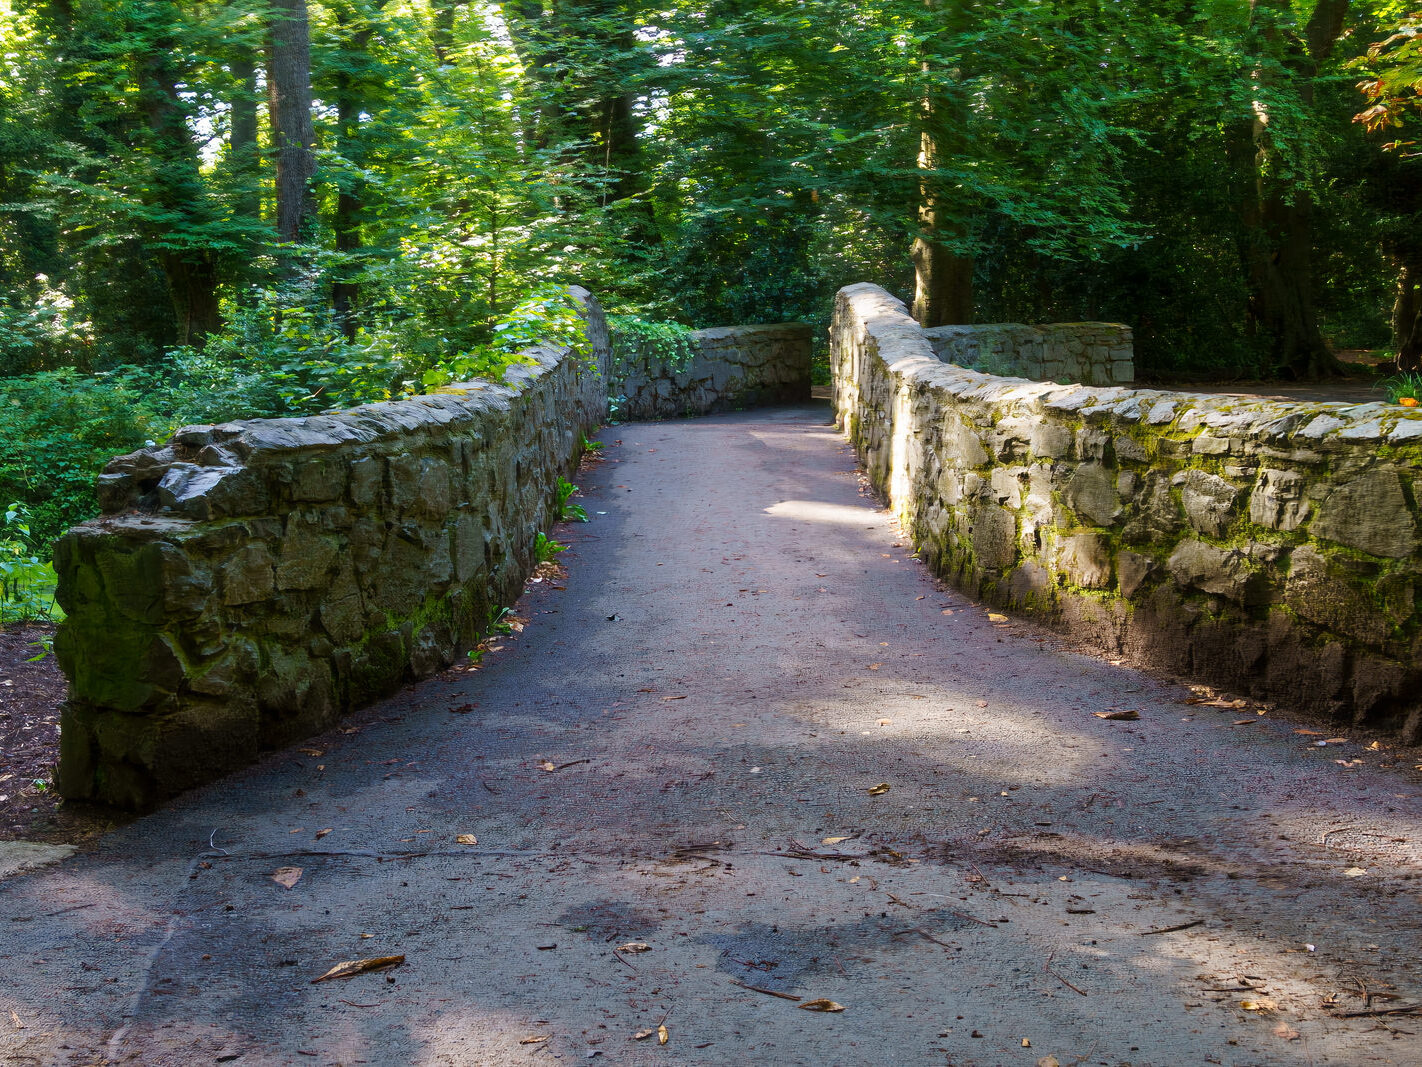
<point>1276,229</point>
<point>289,105</point>
<point>943,277</point>
<point>245,157</point>
<point>192,281</point>
<point>1407,317</point>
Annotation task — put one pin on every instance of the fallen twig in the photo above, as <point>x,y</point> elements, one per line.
<point>75,907</point>
<point>1173,929</point>
<point>767,992</point>
<point>1048,968</point>
<point>1396,1009</point>
<point>969,918</point>
<point>921,932</point>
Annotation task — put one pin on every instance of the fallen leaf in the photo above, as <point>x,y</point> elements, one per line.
<point>466,839</point>
<point>1118,716</point>
<point>322,833</point>
<point>1258,1005</point>
<point>1354,872</point>
<point>878,790</point>
<point>681,696</point>
<point>354,967</point>
<point>834,840</point>
<point>1287,1032</point>
<point>946,611</point>
<point>875,666</point>
<point>821,1005</point>
<point>883,722</point>
<point>1335,741</point>
<point>635,946</point>
<point>1049,1061</point>
<point>642,1035</point>
<point>548,765</point>
<point>286,877</point>
<point>995,617</point>
<point>314,751</point>
<point>1244,722</point>
<point>533,1039</point>
<point>663,1035</point>
<point>1310,733</point>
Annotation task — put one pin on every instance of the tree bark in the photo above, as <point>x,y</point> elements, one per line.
<point>943,277</point>
<point>242,143</point>
<point>1276,231</point>
<point>289,106</point>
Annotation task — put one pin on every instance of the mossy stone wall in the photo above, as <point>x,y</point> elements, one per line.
<point>1268,547</point>
<point>733,367</point>
<point>1094,353</point>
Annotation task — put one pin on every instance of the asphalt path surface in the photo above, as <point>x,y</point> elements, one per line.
<point>746,757</point>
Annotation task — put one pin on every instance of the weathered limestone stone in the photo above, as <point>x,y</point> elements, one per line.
<point>994,537</point>
<point>306,554</point>
<point>1278,500</point>
<point>1197,565</point>
<point>1132,569</point>
<point>1208,501</point>
<point>1091,493</point>
<point>1085,560</point>
<point>1320,591</point>
<point>1050,440</point>
<point>1368,513</point>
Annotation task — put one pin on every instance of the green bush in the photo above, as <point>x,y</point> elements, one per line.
<point>26,580</point>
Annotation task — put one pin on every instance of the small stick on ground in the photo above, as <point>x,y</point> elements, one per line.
<point>921,932</point>
<point>969,918</point>
<point>1048,968</point>
<point>1397,1009</point>
<point>572,763</point>
<point>767,992</point>
<point>1173,929</point>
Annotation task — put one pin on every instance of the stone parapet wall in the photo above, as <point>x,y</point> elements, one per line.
<point>250,581</point>
<point>734,367</point>
<point>1271,548</point>
<point>1093,353</point>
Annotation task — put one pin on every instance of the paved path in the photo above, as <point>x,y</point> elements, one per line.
<point>742,654</point>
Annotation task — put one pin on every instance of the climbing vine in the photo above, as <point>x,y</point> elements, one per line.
<point>638,341</point>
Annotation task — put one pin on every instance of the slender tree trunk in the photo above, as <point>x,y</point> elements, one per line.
<point>1407,316</point>
<point>289,105</point>
<point>243,141</point>
<point>192,273</point>
<point>1277,231</point>
<point>943,277</point>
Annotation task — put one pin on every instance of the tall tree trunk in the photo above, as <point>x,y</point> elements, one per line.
<point>1277,232</point>
<point>177,187</point>
<point>243,138</point>
<point>943,277</point>
<point>289,105</point>
<point>1407,316</point>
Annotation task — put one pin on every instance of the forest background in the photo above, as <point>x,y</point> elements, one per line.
<point>214,210</point>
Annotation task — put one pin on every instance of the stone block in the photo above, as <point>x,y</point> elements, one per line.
<point>1091,493</point>
<point>1369,513</point>
<point>1277,500</point>
<point>1208,501</point>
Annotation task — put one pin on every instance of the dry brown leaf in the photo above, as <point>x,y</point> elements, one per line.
<point>821,1005</point>
<point>635,946</point>
<point>314,751</point>
<point>1286,1032</point>
<point>875,666</point>
<point>353,967</point>
<point>1049,1061</point>
<point>1310,733</point>
<point>1335,741</point>
<point>878,790</point>
<point>1265,1006</point>
<point>1118,716</point>
<point>1244,722</point>
<point>995,617</point>
<point>548,765</point>
<point>663,1034</point>
<point>533,1039</point>
<point>883,722</point>
<point>286,877</point>
<point>322,833</point>
<point>946,611</point>
<point>466,839</point>
<point>642,1035</point>
<point>834,840</point>
<point>1354,872</point>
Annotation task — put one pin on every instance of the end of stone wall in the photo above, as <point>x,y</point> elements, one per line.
<point>734,367</point>
<point>1091,353</point>
<point>250,581</point>
<point>1272,548</point>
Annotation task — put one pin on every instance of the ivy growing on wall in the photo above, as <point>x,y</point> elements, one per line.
<point>643,341</point>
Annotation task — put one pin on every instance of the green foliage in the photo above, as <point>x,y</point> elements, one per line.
<point>26,580</point>
<point>550,316</point>
<point>545,549</point>
<point>636,340</point>
<point>1403,387</point>
<point>567,511</point>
